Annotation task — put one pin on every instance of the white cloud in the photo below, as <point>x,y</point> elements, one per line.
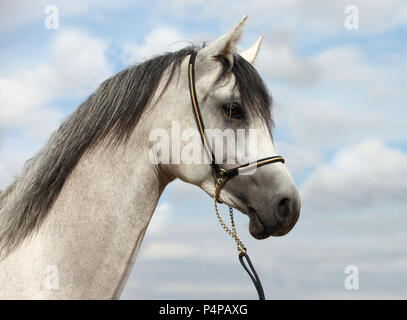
<point>17,98</point>
<point>298,159</point>
<point>38,124</point>
<point>354,99</point>
<point>366,175</point>
<point>345,65</point>
<point>160,39</point>
<point>173,250</point>
<point>349,67</point>
<point>401,17</point>
<point>12,161</point>
<point>166,250</point>
<point>277,57</point>
<point>193,273</point>
<point>76,65</point>
<point>179,192</point>
<point>161,216</point>
<point>278,60</point>
<point>361,176</point>
<point>310,16</point>
<point>219,289</point>
<point>328,17</point>
<point>381,16</point>
<point>19,13</point>
<point>316,124</point>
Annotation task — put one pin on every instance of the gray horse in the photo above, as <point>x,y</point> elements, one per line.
<point>72,222</point>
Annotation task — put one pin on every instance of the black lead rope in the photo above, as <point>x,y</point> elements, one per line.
<point>252,274</point>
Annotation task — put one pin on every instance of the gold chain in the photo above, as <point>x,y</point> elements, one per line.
<point>241,249</point>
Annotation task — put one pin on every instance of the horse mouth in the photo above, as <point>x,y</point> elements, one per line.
<point>260,230</point>
<point>258,227</point>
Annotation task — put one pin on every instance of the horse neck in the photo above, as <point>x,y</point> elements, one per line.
<point>93,232</point>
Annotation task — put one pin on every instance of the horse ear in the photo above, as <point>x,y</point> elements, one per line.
<point>250,54</point>
<point>225,44</point>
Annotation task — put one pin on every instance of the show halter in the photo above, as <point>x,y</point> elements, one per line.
<point>222,175</point>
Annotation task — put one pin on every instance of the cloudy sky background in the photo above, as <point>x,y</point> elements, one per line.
<point>340,99</point>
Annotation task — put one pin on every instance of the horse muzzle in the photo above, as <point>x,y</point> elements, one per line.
<point>277,219</point>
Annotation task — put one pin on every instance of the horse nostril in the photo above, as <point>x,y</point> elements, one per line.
<point>284,208</point>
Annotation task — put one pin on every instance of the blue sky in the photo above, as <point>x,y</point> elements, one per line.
<point>339,108</point>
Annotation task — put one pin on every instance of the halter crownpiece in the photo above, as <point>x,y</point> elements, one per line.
<point>222,175</point>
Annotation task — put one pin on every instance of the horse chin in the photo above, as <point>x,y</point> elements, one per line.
<point>260,231</point>
<point>257,228</point>
<point>258,234</point>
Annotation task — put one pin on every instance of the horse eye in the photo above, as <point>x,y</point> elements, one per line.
<point>233,110</point>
